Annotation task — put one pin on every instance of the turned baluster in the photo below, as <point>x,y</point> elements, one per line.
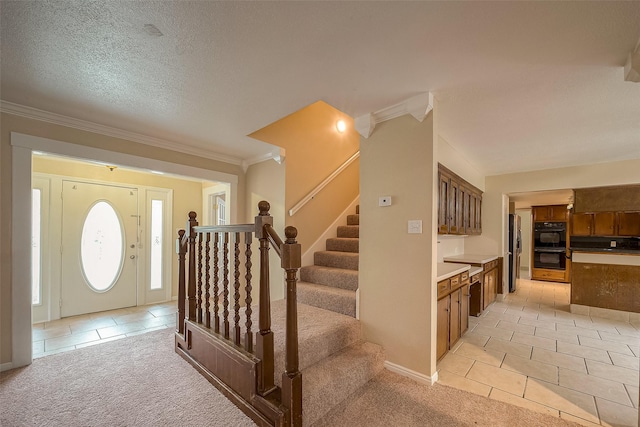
<point>207,281</point>
<point>225,301</point>
<point>199,288</point>
<point>236,287</point>
<point>248,338</point>
<point>216,287</point>
<point>264,338</point>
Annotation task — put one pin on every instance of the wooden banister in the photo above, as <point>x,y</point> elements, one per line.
<point>197,285</point>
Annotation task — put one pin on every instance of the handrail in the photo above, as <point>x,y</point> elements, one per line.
<point>274,239</point>
<point>235,228</point>
<point>323,184</point>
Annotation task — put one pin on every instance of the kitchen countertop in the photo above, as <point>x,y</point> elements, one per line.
<point>475,270</point>
<point>446,270</point>
<point>471,258</point>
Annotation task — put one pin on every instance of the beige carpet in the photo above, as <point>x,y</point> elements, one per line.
<point>393,400</point>
<point>140,381</point>
<point>137,381</point>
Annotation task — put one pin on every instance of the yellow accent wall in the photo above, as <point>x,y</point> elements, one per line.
<point>314,150</point>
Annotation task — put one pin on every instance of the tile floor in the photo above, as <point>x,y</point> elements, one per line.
<point>89,329</point>
<point>530,351</point>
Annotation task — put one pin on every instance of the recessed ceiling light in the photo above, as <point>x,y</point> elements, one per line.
<point>341,126</point>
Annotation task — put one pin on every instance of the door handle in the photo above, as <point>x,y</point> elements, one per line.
<point>132,256</point>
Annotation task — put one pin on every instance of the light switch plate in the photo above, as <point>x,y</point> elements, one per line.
<point>384,201</point>
<point>414,226</point>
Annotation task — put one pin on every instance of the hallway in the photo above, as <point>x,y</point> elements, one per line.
<point>529,350</point>
<point>85,330</point>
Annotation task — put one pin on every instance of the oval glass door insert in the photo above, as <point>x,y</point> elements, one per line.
<point>101,247</point>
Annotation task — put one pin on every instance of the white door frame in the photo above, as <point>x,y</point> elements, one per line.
<point>22,147</point>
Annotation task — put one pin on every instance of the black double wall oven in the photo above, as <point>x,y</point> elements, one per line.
<point>550,245</point>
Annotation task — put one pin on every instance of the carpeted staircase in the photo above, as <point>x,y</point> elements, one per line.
<point>332,281</point>
<point>334,360</point>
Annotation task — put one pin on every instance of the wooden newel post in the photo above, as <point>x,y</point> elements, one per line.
<point>182,251</point>
<point>292,378</point>
<point>264,337</point>
<point>191,290</point>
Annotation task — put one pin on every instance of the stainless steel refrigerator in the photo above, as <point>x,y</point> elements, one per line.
<point>515,249</point>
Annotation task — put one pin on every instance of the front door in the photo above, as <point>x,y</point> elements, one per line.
<point>99,247</point>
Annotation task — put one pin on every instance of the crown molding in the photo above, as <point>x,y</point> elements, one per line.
<point>58,119</point>
<point>278,155</point>
<point>418,106</point>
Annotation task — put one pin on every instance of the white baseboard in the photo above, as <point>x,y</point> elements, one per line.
<point>409,373</point>
<point>321,243</point>
<point>6,366</point>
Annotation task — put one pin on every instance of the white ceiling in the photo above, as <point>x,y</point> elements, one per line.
<point>520,85</point>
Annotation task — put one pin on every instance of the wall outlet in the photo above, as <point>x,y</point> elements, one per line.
<point>414,226</point>
<point>614,243</point>
<point>384,201</point>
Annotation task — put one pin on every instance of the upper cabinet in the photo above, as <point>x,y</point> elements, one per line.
<point>459,204</point>
<point>609,224</point>
<point>550,213</point>
<point>606,211</point>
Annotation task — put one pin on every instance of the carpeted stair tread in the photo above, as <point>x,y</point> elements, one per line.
<point>343,244</point>
<point>353,219</point>
<point>337,300</point>
<point>348,231</point>
<point>346,260</point>
<point>330,276</point>
<point>320,334</point>
<point>327,383</point>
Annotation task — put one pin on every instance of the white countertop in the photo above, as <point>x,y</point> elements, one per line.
<point>600,258</point>
<point>446,270</point>
<point>471,258</point>
<point>475,270</point>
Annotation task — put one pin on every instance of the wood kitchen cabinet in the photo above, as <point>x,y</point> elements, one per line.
<point>453,312</point>
<point>550,213</point>
<point>459,204</point>
<point>582,224</point>
<point>628,223</point>
<point>490,283</point>
<point>605,224</point>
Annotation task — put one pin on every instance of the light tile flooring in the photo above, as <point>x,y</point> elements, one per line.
<point>530,351</point>
<point>75,332</point>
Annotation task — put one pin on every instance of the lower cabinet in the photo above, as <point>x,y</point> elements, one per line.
<point>453,313</point>
<point>490,283</point>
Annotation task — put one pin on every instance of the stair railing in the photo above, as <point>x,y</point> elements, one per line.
<point>313,193</point>
<point>196,242</point>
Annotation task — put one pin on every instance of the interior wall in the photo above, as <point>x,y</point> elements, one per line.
<point>11,123</point>
<point>187,195</point>
<point>314,150</point>
<point>266,181</point>
<point>459,163</point>
<point>396,268</point>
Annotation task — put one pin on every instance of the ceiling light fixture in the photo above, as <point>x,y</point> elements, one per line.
<point>341,126</point>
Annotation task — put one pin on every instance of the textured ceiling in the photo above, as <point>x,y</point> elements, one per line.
<point>520,85</point>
